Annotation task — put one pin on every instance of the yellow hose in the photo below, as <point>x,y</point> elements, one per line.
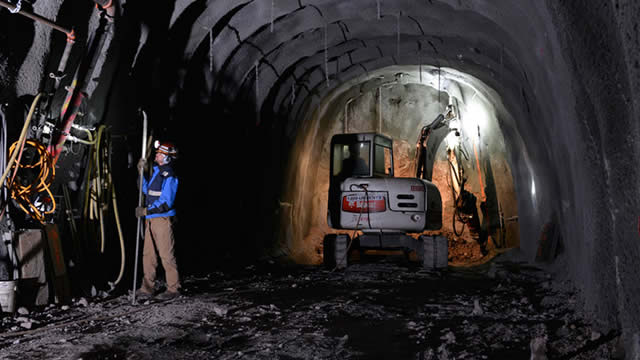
<point>22,193</point>
<point>115,212</point>
<point>23,135</point>
<point>95,198</point>
<point>99,187</point>
<point>87,191</point>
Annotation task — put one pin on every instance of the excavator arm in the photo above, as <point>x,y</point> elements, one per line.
<point>421,145</point>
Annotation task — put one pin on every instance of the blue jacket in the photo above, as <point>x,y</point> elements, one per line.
<point>160,192</point>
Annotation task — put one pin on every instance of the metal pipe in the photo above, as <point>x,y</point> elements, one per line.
<point>380,109</point>
<point>346,115</point>
<point>140,198</point>
<point>77,91</point>
<point>71,39</point>
<point>59,74</point>
<point>35,17</point>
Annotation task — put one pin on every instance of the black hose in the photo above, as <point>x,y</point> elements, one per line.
<point>366,194</point>
<point>456,215</point>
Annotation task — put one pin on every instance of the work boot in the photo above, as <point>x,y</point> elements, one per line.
<point>168,295</point>
<point>143,294</point>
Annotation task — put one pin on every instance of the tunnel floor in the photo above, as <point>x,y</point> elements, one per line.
<point>382,307</point>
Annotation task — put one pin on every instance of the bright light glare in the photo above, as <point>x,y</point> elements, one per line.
<point>475,115</point>
<point>452,140</point>
<point>533,188</point>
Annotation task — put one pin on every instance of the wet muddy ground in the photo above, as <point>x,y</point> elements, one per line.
<point>380,308</point>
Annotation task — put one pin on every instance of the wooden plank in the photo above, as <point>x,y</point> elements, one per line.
<point>62,289</point>
<point>33,285</point>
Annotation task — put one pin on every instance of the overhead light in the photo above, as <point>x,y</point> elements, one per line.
<point>452,140</point>
<point>533,188</point>
<point>475,119</point>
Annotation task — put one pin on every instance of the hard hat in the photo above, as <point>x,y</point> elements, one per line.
<point>166,148</point>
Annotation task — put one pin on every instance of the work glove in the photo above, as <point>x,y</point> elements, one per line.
<point>141,211</point>
<point>141,164</point>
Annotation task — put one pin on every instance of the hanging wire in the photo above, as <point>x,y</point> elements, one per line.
<point>439,102</point>
<point>272,11</point>
<point>380,108</point>
<point>293,93</point>
<point>420,66</point>
<point>71,149</point>
<point>257,91</point>
<point>211,50</point>
<point>326,55</point>
<point>501,62</point>
<point>3,154</point>
<point>398,36</point>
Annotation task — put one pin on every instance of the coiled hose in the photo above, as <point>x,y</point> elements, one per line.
<point>29,196</point>
<point>21,139</point>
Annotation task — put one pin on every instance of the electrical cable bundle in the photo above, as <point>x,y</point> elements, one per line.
<point>3,154</point>
<point>23,135</point>
<point>31,189</point>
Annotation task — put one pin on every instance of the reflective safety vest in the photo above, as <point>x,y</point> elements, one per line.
<point>160,192</point>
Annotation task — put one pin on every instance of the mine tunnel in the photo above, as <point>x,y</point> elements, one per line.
<point>535,104</point>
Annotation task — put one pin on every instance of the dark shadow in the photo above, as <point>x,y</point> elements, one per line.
<point>490,208</point>
<point>16,34</point>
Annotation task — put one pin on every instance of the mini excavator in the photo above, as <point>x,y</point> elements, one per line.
<point>365,196</point>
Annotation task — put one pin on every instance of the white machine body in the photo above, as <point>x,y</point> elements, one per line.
<point>369,198</point>
<point>394,204</point>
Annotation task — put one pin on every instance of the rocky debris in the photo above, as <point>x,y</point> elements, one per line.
<point>538,348</point>
<point>477,309</point>
<point>23,311</point>
<point>384,309</point>
<point>26,324</point>
<point>463,250</point>
<point>220,310</point>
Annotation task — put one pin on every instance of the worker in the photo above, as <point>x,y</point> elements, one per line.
<point>159,213</point>
<point>355,165</point>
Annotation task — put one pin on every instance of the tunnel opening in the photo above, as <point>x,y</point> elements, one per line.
<point>397,101</point>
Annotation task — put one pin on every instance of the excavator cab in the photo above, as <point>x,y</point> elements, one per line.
<point>361,155</point>
<point>366,155</point>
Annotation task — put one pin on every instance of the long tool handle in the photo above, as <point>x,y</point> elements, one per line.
<point>34,16</point>
<point>144,156</point>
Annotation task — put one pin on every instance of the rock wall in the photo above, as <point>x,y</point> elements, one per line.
<point>400,113</point>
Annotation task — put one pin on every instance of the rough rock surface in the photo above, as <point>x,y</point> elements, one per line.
<point>381,307</point>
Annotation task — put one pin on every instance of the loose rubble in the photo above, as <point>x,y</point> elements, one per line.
<point>384,308</point>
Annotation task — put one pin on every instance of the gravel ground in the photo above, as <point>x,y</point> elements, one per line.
<point>380,308</point>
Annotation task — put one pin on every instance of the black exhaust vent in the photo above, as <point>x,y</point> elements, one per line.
<point>406,197</point>
<point>407,205</point>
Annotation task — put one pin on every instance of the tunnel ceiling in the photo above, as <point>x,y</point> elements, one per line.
<point>304,49</point>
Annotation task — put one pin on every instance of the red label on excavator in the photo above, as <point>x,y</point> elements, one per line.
<point>364,203</point>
